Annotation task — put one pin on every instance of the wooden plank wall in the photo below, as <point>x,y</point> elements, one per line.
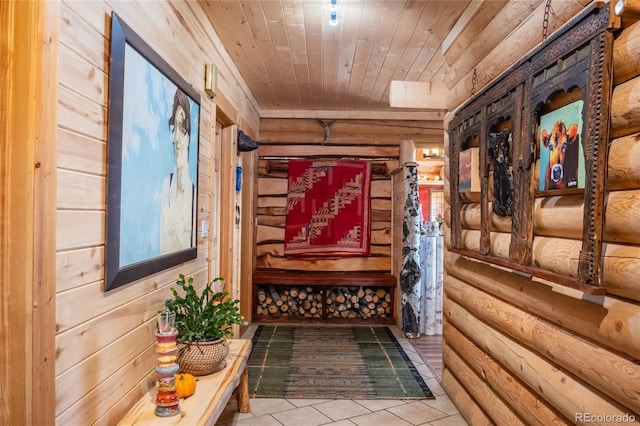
<point>523,352</point>
<point>105,341</point>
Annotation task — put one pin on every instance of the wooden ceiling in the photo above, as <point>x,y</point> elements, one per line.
<point>292,58</point>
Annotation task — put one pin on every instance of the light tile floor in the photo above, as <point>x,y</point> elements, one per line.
<point>315,412</point>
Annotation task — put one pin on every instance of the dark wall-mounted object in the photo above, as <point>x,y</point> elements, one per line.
<point>549,111</point>
<point>245,143</point>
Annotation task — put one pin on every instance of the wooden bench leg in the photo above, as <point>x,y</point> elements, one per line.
<point>242,393</point>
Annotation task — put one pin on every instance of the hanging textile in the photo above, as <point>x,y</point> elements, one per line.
<point>328,208</point>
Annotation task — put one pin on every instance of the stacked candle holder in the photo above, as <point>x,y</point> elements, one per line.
<point>167,400</point>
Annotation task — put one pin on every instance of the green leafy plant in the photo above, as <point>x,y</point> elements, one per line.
<point>205,316</point>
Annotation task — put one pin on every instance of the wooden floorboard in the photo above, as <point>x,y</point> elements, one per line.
<point>430,350</point>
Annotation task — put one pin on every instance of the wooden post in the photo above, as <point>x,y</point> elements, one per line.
<point>410,272</point>
<point>407,152</point>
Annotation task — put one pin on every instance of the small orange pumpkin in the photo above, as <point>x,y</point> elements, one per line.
<point>185,385</point>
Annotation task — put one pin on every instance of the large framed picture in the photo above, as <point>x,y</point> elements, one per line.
<point>152,176</point>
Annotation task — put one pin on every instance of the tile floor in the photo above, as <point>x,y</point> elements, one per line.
<point>315,412</point>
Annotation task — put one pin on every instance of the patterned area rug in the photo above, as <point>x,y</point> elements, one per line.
<point>331,362</point>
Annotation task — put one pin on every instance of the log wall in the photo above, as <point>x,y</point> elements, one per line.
<point>105,354</point>
<point>549,354</point>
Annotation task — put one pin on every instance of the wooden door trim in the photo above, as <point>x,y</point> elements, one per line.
<point>28,210</point>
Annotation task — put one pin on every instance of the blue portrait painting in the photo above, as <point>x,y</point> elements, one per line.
<point>159,126</point>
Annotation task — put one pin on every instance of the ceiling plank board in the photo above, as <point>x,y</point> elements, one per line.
<point>499,28</point>
<point>369,22</point>
<point>293,60</point>
<point>347,50</point>
<point>469,26</point>
<point>433,70</point>
<point>313,17</point>
<point>409,20</point>
<point>390,18</point>
<point>223,25</point>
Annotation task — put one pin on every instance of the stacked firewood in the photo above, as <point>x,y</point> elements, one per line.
<point>358,302</point>
<point>341,302</point>
<point>289,301</point>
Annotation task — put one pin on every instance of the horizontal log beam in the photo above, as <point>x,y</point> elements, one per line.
<point>607,321</point>
<point>472,27</point>
<point>521,398</point>
<point>377,168</point>
<point>266,233</point>
<point>371,263</point>
<point>625,109</point>
<point>561,217</point>
<point>371,139</point>
<point>380,188</point>
<point>624,163</point>
<point>480,390</point>
<point>626,51</point>
<point>468,408</point>
<point>295,151</point>
<point>276,249</point>
<point>564,391</point>
<point>612,374</point>
<point>417,94</point>
<point>300,126</point>
<point>435,114</point>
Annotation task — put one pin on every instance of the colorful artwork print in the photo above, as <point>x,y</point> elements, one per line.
<point>468,173</point>
<point>561,153</point>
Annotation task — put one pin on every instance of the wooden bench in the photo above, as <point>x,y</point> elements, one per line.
<point>322,280</point>
<point>213,392</point>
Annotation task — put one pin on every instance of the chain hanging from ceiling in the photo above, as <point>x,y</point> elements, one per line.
<point>474,80</point>
<point>545,21</point>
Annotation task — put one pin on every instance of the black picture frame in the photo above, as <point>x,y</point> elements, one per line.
<point>153,114</point>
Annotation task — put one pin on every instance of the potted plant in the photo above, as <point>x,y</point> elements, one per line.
<point>204,322</point>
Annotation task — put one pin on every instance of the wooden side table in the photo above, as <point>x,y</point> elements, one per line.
<point>211,397</point>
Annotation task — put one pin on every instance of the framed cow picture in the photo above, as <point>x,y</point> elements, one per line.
<point>560,148</point>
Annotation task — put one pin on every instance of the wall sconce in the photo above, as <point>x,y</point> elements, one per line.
<point>210,79</point>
